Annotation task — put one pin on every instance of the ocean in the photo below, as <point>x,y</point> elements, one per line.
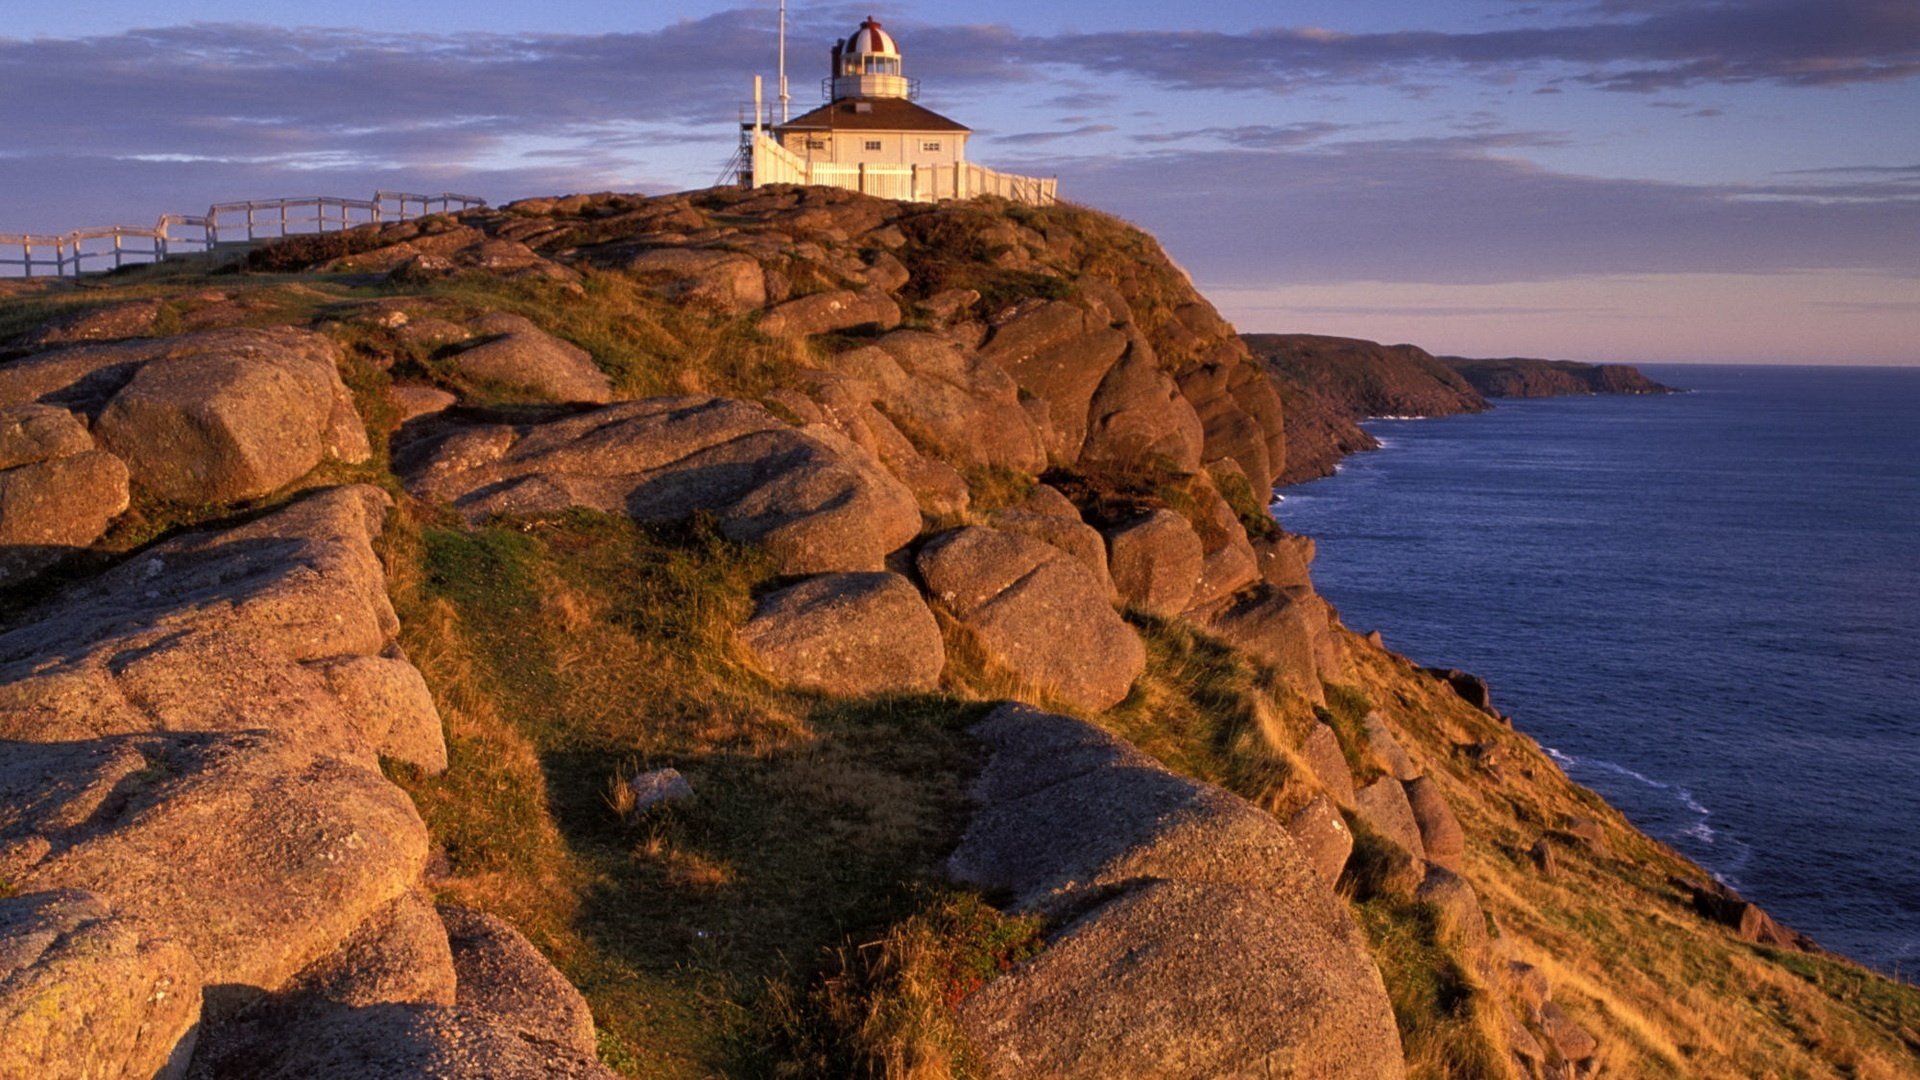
<point>1705,605</point>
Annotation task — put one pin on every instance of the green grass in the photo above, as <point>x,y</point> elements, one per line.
<point>1207,711</point>
<point>570,652</point>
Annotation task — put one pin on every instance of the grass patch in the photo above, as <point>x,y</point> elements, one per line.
<point>1211,712</point>
<point>568,651</point>
<point>1447,1023</point>
<point>884,1009</point>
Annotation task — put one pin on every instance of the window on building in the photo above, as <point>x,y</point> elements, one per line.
<point>816,144</point>
<point>873,144</point>
<point>930,147</point>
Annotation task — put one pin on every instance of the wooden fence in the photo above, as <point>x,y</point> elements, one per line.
<point>113,246</point>
<point>775,164</point>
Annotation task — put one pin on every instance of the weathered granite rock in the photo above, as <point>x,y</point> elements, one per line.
<point>1137,416</point>
<point>210,417</point>
<point>504,978</point>
<point>398,955</point>
<point>228,630</point>
<point>1155,562</point>
<point>848,634</point>
<point>1440,833</point>
<point>1037,612</point>
<point>839,309</point>
<point>1387,749</point>
<point>1323,837</point>
<point>414,400</point>
<point>656,788</point>
<point>84,992</point>
<point>32,433</point>
<point>392,708</point>
<point>726,281</point>
<point>1461,921</point>
<point>1321,749</point>
<point>816,504</point>
<point>110,322</point>
<point>405,1042</point>
<point>1196,939</point>
<point>1285,627</point>
<point>1569,1040</point>
<point>256,855</point>
<point>1059,353</point>
<point>1383,806</point>
<point>53,508</point>
<point>1284,560</point>
<point>966,408</point>
<point>1471,688</point>
<point>520,357</point>
<point>1071,535</point>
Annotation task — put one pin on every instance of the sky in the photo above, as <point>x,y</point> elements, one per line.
<point>1618,180</point>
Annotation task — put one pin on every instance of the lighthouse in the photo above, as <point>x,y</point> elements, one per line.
<point>873,135</point>
<point>871,116</point>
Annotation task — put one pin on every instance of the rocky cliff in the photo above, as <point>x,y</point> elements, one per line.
<point>1518,377</point>
<point>1331,384</point>
<point>767,633</point>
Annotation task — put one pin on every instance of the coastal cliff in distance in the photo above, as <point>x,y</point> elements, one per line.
<point>1518,377</point>
<point>1331,384</point>
<point>771,633</point>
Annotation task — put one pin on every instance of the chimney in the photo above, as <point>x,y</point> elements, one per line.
<point>837,46</point>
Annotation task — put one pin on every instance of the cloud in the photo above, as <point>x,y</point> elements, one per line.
<point>1457,210</point>
<point>1034,138</point>
<point>1633,46</point>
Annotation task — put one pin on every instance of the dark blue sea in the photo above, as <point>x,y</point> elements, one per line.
<point>1706,605</point>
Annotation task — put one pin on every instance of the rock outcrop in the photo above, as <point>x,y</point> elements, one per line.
<point>848,634</point>
<point>194,830</point>
<point>57,492</point>
<point>1036,612</point>
<point>204,418</point>
<point>1195,938</point>
<point>516,355</point>
<point>818,503</point>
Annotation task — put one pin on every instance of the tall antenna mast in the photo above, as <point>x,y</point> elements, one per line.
<point>785,114</point>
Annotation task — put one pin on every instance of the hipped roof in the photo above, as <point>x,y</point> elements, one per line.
<point>879,114</point>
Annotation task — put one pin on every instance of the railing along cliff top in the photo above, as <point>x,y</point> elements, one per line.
<point>84,250</point>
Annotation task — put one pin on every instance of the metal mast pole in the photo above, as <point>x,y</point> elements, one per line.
<point>785,114</point>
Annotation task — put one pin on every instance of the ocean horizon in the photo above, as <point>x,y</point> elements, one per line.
<point>1703,605</point>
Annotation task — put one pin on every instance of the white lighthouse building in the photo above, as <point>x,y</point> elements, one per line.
<point>873,135</point>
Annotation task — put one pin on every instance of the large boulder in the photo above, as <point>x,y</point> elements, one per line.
<point>1137,417</point>
<point>1323,836</point>
<point>1058,352</point>
<point>1323,755</point>
<point>1195,939</point>
<point>1440,833</point>
<point>1037,612</point>
<point>1383,806</point>
<point>966,408</point>
<point>1155,561</point>
<point>727,281</point>
<point>1285,627</point>
<point>31,433</point>
<point>839,309</point>
<point>86,993</point>
<point>57,493</point>
<point>817,504</point>
<point>256,855</point>
<point>1068,533</point>
<point>204,418</point>
<point>519,357</point>
<point>257,626</point>
<point>849,634</point>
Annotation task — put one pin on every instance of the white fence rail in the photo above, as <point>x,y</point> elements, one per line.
<point>775,164</point>
<point>113,246</point>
